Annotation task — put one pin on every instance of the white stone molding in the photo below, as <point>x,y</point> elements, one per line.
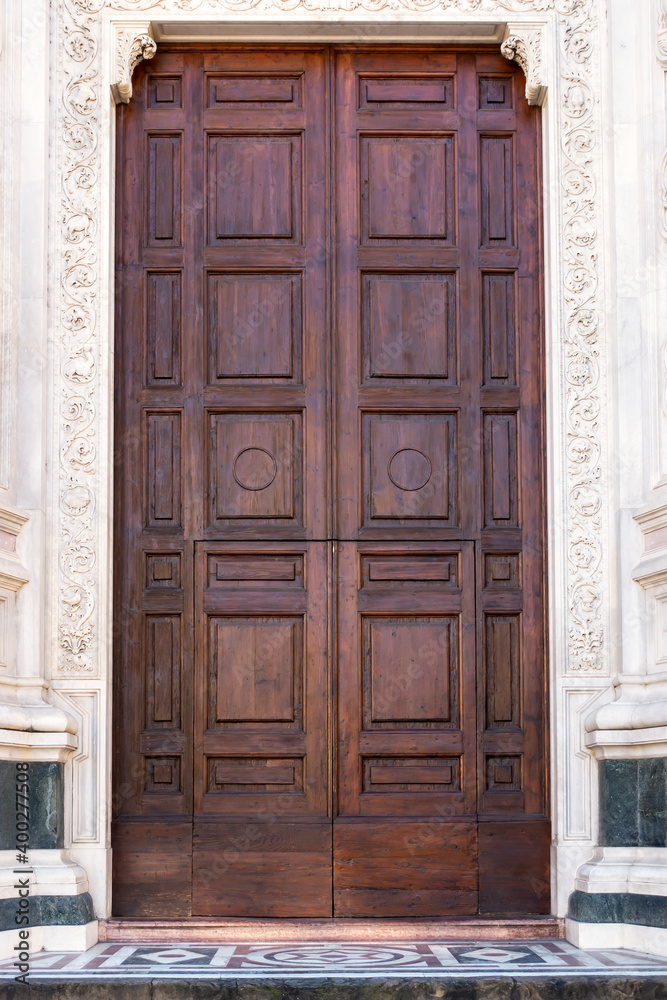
<point>24,706</point>
<point>523,44</point>
<point>12,573</point>
<point>639,706</point>
<point>49,746</point>
<point>134,42</point>
<point>620,744</point>
<point>641,870</point>
<point>629,937</point>
<point>559,41</point>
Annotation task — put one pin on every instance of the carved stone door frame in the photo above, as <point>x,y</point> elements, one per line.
<point>558,45</point>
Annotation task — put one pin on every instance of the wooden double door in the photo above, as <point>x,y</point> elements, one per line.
<point>329,664</point>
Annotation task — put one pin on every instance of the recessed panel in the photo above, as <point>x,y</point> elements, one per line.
<point>406,92</point>
<point>503,671</point>
<point>410,671</point>
<point>496,180</point>
<point>254,323</point>
<point>249,91</point>
<point>502,570</point>
<point>163,328</point>
<point>162,774</point>
<point>255,669</point>
<point>409,327</point>
<point>255,466</point>
<point>254,187</point>
<point>499,328</point>
<point>163,222</point>
<point>409,571</point>
<point>496,93</point>
<point>407,188</point>
<point>163,473</point>
<point>164,92</point>
<point>245,570</point>
<point>503,774</point>
<point>411,774</point>
<point>162,659</point>
<point>501,487</point>
<point>409,462</point>
<point>162,570</point>
<point>237,775</point>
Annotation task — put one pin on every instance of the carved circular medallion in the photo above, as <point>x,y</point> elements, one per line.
<point>254,468</point>
<point>409,469</point>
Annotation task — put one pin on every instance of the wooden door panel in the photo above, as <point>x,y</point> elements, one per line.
<point>255,327</point>
<point>400,868</point>
<point>422,308</point>
<point>406,682</point>
<point>254,187</point>
<point>328,451</point>
<point>439,361</point>
<point>260,724</point>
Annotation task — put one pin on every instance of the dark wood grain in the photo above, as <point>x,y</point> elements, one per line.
<point>329,684</point>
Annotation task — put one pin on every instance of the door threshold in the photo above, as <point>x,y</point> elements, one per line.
<point>212,929</point>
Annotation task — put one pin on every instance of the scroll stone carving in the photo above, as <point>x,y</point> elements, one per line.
<point>134,43</point>
<point>82,527</point>
<point>523,44</point>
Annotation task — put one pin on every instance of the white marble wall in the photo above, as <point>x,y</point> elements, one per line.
<point>603,70</point>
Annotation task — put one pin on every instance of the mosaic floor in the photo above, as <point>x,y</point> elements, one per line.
<point>336,961</point>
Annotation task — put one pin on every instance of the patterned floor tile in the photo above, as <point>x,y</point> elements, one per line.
<point>335,960</point>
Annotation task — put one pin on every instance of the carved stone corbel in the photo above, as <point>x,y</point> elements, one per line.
<point>134,42</point>
<point>523,44</point>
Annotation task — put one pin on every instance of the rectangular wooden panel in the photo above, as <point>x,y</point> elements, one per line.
<point>254,91</point>
<point>254,187</point>
<point>503,671</point>
<point>409,467</point>
<point>514,866</point>
<point>262,771</point>
<point>152,868</point>
<point>496,93</point>
<point>410,670</point>
<point>163,475</point>
<point>162,571</point>
<point>164,91</point>
<point>501,488</point>
<point>163,670</point>
<point>405,91</point>
<point>255,571</point>
<point>409,327</point>
<point>255,466</point>
<point>163,328</point>
<point>416,569</point>
<point>164,190</point>
<point>498,319</point>
<point>407,188</point>
<point>404,774</point>
<point>262,869</point>
<point>255,667</point>
<point>254,326</point>
<point>496,179</point>
<point>398,868</point>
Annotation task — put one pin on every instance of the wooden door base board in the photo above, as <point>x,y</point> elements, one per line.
<point>409,929</point>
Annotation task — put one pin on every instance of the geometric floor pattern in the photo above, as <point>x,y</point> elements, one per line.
<point>334,961</point>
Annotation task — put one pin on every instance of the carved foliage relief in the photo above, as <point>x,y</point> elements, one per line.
<point>83,427</point>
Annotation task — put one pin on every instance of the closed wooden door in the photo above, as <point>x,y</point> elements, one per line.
<point>329,684</point>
